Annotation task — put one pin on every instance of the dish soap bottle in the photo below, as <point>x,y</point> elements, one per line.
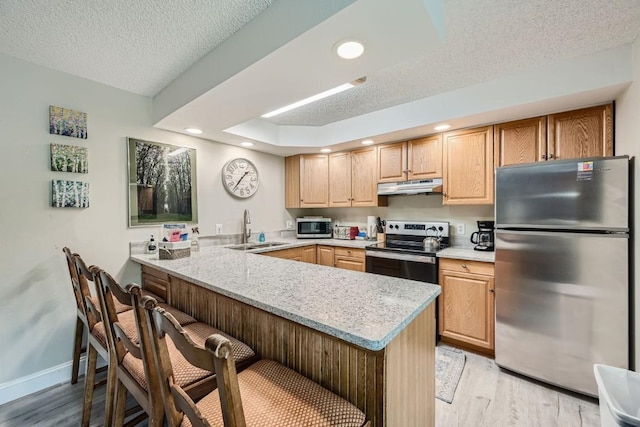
<point>151,246</point>
<point>261,237</point>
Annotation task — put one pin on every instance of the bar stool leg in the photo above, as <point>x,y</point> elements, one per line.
<point>77,350</point>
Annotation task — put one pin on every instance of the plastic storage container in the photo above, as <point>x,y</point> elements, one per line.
<point>619,393</point>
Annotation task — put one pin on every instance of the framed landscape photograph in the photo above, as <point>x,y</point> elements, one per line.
<point>69,158</point>
<point>162,183</point>
<point>69,194</point>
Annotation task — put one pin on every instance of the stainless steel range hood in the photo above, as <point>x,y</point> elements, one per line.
<point>422,186</point>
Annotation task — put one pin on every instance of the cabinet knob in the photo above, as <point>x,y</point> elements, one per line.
<point>493,291</point>
<point>409,171</point>
<point>444,194</point>
<point>464,266</point>
<point>550,156</point>
<point>543,157</point>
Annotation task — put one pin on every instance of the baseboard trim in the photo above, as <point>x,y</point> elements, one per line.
<point>15,389</point>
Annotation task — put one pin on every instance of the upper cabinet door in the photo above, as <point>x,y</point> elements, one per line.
<point>468,167</point>
<point>392,162</point>
<point>364,186</point>
<point>521,141</point>
<point>425,158</point>
<point>340,180</point>
<point>581,133</point>
<point>314,181</point>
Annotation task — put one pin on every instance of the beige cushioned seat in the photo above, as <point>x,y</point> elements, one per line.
<point>274,395</point>
<point>128,322</point>
<point>185,373</point>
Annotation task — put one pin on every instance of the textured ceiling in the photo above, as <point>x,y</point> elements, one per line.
<point>139,46</point>
<point>484,39</point>
<point>155,48</point>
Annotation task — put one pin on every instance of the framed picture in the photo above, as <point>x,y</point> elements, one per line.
<point>162,183</point>
<point>69,194</point>
<point>63,121</point>
<point>69,158</point>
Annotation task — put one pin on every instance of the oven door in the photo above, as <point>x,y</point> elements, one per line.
<point>405,266</point>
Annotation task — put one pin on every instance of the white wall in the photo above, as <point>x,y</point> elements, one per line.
<point>627,137</point>
<point>37,311</point>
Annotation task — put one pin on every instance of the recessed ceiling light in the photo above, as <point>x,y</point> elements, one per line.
<point>350,49</point>
<point>194,131</point>
<point>325,150</point>
<point>246,144</point>
<point>367,142</point>
<point>442,127</point>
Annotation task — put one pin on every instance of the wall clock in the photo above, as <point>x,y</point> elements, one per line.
<point>240,178</point>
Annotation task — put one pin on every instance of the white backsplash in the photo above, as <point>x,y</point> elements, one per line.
<point>419,207</point>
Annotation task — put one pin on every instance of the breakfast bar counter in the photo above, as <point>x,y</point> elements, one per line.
<point>366,337</point>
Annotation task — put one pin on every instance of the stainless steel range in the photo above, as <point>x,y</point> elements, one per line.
<point>402,254</point>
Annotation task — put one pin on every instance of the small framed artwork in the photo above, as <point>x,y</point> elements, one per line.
<point>63,121</point>
<point>69,194</point>
<point>69,158</point>
<point>162,183</point>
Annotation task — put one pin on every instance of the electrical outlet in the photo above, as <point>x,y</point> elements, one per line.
<point>218,228</point>
<point>289,224</point>
<point>460,229</point>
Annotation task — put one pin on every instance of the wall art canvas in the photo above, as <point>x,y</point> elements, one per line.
<point>63,121</point>
<point>162,183</point>
<point>69,158</point>
<point>70,194</point>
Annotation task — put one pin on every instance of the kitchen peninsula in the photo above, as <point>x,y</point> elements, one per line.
<point>367,338</point>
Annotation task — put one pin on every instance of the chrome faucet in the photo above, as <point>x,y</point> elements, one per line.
<point>246,232</point>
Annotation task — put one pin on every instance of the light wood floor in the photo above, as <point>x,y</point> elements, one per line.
<point>490,396</point>
<point>486,396</point>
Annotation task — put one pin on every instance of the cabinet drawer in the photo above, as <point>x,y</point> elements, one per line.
<point>464,266</point>
<point>350,252</point>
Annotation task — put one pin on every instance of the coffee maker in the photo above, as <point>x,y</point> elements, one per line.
<point>484,237</point>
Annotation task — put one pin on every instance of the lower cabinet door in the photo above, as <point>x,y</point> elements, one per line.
<point>325,255</point>
<point>467,308</point>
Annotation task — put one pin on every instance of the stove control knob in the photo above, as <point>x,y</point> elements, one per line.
<point>440,228</point>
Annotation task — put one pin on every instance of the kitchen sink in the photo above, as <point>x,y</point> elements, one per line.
<point>254,245</point>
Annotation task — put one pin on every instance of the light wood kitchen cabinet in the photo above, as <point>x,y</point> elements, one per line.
<point>349,259</point>
<point>411,160</point>
<point>521,141</point>
<point>309,254</point>
<point>302,253</point>
<point>307,181</point>
<point>467,303</point>
<point>581,133</point>
<point>468,167</point>
<point>353,179</point>
<point>325,255</point>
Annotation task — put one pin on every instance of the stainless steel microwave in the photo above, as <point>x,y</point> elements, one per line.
<point>313,228</point>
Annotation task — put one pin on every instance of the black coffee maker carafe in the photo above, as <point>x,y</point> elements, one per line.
<point>484,237</point>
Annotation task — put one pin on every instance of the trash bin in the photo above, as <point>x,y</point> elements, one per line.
<point>619,392</point>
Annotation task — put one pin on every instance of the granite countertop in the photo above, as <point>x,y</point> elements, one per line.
<point>466,253</point>
<point>363,309</point>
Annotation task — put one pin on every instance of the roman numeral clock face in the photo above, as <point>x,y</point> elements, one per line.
<point>240,178</point>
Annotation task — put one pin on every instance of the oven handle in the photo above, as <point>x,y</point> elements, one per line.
<point>402,257</point>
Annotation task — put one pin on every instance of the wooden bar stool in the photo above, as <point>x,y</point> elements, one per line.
<point>265,394</point>
<point>134,362</point>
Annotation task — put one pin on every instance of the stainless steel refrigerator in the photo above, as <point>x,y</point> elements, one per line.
<point>562,269</point>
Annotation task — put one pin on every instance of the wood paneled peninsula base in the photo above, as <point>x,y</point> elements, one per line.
<point>367,338</point>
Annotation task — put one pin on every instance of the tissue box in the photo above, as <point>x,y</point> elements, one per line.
<point>174,250</point>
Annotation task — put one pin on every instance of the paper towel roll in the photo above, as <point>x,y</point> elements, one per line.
<point>371,227</point>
